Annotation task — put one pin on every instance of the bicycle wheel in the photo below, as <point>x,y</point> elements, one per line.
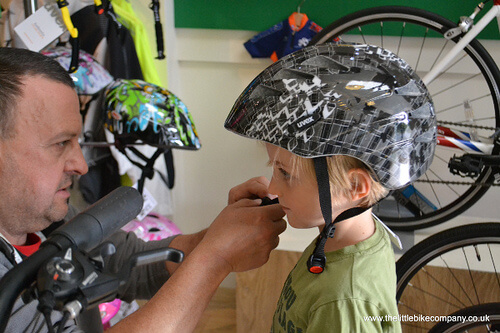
<point>418,37</point>
<point>478,318</point>
<point>449,271</point>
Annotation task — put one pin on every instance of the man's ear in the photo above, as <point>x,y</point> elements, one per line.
<point>361,183</point>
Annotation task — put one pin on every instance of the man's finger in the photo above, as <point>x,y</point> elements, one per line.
<point>252,188</point>
<point>275,212</point>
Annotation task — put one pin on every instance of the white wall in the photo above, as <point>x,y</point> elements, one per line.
<point>211,78</point>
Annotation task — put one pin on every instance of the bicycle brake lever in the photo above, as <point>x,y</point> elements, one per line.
<point>152,256</point>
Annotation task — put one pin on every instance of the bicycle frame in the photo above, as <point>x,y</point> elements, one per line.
<point>452,138</point>
<point>466,39</point>
<point>462,140</point>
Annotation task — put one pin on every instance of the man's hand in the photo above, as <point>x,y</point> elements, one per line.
<point>239,239</point>
<point>244,233</point>
<point>251,189</point>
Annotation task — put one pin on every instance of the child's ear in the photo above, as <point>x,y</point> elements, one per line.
<point>361,183</point>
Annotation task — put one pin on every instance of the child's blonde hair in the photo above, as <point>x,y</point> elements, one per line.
<point>341,184</point>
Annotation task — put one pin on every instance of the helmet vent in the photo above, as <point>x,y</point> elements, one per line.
<point>325,62</point>
<point>288,73</point>
<point>264,91</point>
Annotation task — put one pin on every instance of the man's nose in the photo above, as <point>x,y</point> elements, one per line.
<point>76,164</point>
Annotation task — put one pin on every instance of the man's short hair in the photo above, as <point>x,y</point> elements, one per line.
<point>15,65</point>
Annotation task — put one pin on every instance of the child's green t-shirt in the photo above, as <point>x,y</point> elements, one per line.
<point>358,281</point>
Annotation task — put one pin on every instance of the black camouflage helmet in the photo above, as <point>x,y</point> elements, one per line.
<point>343,99</point>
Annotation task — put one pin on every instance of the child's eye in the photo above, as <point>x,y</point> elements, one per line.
<point>284,173</point>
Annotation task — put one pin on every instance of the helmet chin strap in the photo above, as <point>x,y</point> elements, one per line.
<point>317,260</point>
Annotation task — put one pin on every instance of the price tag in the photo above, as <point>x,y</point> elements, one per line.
<point>149,203</point>
<point>392,236</point>
<point>41,28</point>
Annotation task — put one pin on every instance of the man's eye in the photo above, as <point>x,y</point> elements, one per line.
<point>63,143</point>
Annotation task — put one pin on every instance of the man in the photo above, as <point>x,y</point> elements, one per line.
<point>39,154</point>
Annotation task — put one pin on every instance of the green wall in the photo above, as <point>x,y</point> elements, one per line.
<point>259,15</point>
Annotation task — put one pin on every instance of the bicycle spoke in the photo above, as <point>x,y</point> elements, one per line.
<point>424,38</point>
<point>401,37</point>
<point>457,281</point>
<point>470,275</point>
<point>456,84</point>
<point>494,266</point>
<point>414,326</point>
<point>434,191</point>
<point>444,182</point>
<point>408,307</point>
<point>461,104</point>
<point>447,69</point>
<point>441,158</point>
<point>439,54</point>
<point>485,119</point>
<point>381,34</point>
<point>413,311</point>
<point>425,292</point>
<point>444,288</point>
<point>362,35</point>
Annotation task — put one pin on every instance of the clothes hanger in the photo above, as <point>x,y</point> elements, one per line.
<point>298,16</point>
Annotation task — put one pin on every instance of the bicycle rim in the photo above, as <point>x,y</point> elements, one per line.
<point>450,271</point>
<point>417,36</point>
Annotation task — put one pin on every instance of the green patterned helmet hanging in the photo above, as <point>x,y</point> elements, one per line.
<point>141,111</point>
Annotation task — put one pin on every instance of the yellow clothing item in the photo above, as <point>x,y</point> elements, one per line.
<point>126,15</point>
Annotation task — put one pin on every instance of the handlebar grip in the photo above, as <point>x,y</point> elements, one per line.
<point>92,226</point>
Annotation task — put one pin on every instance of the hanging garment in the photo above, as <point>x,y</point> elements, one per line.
<point>283,38</point>
<point>122,60</point>
<point>98,33</point>
<point>126,16</point>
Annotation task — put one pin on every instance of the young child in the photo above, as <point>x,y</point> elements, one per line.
<point>343,125</point>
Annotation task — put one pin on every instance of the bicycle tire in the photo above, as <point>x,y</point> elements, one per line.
<point>456,284</point>
<point>492,310</point>
<point>447,199</point>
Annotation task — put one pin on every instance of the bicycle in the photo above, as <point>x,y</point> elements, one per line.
<point>453,65</point>
<point>453,274</point>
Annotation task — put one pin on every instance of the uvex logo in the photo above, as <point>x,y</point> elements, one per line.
<point>305,122</point>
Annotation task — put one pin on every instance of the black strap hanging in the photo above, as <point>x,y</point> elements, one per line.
<point>155,7</point>
<point>317,260</point>
<point>148,169</point>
